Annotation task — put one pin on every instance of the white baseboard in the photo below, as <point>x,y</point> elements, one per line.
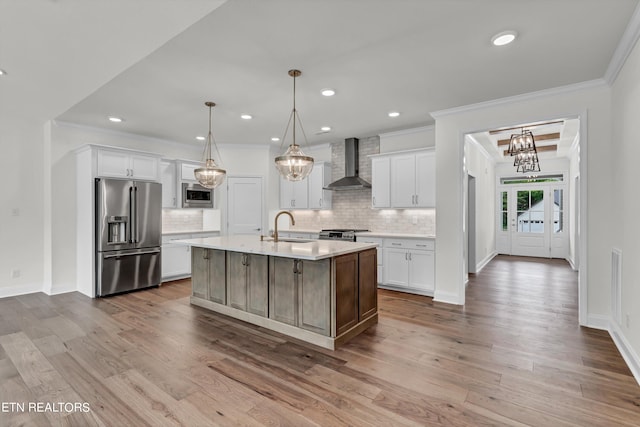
<point>485,261</point>
<point>12,291</point>
<point>625,349</point>
<point>447,297</point>
<point>598,321</point>
<point>571,263</point>
<point>61,290</point>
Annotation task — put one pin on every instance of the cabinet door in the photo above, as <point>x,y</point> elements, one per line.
<point>187,171</point>
<point>314,296</point>
<point>283,296</point>
<point>380,182</point>
<point>145,167</point>
<point>318,179</point>
<point>217,276</point>
<point>169,184</point>
<point>426,180</point>
<point>176,261</point>
<point>258,284</point>
<point>237,280</point>
<point>300,194</point>
<point>396,267</point>
<point>346,279</point>
<point>114,164</point>
<point>367,284</point>
<point>286,194</point>
<point>403,181</point>
<point>421,270</point>
<point>199,272</point>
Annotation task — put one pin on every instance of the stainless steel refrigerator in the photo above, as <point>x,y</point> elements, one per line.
<point>128,235</point>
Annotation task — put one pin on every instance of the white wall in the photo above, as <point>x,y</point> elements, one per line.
<point>408,139</point>
<point>451,126</point>
<point>624,206</point>
<point>480,165</point>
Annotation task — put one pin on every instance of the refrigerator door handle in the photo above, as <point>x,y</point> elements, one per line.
<point>157,251</point>
<point>135,194</point>
<point>131,213</point>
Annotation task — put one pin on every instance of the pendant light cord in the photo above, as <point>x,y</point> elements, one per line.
<point>293,116</point>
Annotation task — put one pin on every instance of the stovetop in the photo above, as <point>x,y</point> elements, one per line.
<point>344,230</point>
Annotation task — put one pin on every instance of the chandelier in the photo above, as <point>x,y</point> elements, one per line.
<point>294,165</point>
<point>522,146</point>
<point>210,176</point>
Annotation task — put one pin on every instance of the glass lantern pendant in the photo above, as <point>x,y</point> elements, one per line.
<point>210,176</point>
<point>294,165</point>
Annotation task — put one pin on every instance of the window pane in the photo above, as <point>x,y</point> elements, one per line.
<point>505,221</point>
<point>537,200</point>
<point>523,200</point>
<point>523,222</point>
<point>504,201</point>
<point>558,211</point>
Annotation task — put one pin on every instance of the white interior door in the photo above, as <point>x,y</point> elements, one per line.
<point>244,210</point>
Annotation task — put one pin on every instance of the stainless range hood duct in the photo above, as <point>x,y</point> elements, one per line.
<point>351,180</point>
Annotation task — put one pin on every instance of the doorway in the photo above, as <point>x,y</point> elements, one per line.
<point>244,207</point>
<point>531,219</point>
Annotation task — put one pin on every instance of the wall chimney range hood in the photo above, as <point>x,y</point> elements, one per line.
<point>351,180</point>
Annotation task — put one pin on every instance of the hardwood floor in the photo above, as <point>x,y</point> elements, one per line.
<point>513,355</point>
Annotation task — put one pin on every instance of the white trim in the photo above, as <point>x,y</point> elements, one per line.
<point>55,290</point>
<point>598,321</point>
<point>583,288</point>
<point>393,153</point>
<point>47,209</point>
<point>571,263</point>
<point>626,45</point>
<point>15,290</point>
<point>447,297</point>
<point>408,131</point>
<point>521,98</point>
<point>482,150</point>
<point>626,350</point>
<point>482,264</point>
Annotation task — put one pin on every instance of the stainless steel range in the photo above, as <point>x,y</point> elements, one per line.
<point>344,234</point>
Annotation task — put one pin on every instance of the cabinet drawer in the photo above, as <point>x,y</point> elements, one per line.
<point>172,237</point>
<point>425,245</point>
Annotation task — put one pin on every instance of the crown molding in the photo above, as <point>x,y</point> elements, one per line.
<point>590,84</point>
<point>626,45</point>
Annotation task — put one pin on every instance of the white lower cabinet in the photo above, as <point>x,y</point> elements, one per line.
<point>410,264</point>
<point>176,258</point>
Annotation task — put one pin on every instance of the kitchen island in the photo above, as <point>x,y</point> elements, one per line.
<point>320,291</point>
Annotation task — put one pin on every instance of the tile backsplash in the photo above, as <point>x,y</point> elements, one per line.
<point>352,208</point>
<point>174,220</point>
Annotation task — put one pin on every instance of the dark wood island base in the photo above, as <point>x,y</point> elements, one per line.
<point>325,302</point>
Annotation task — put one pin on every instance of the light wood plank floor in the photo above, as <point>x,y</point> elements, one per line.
<point>514,355</point>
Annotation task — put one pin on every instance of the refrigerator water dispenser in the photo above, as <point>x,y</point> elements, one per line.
<point>117,226</point>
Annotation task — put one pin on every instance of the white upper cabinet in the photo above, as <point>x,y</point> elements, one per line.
<point>426,180</point>
<point>294,194</point>
<point>319,178</point>
<point>187,171</point>
<point>404,180</point>
<point>125,164</point>
<point>380,182</point>
<point>169,184</point>
<point>308,193</point>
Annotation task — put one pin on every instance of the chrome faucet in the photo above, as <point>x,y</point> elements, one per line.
<point>275,228</point>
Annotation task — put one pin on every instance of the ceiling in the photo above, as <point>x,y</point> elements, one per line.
<point>411,56</point>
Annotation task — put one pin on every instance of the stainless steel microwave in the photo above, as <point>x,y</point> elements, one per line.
<point>196,196</point>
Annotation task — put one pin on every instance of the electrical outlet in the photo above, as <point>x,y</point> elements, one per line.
<point>627,319</point>
<point>15,273</point>
<point>415,219</point>
<point>15,212</point>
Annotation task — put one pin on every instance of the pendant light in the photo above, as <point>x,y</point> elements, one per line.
<point>294,165</point>
<point>210,176</point>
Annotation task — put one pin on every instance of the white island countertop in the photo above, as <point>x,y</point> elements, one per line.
<point>300,249</point>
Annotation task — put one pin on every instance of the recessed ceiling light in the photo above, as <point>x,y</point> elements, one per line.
<point>275,139</point>
<point>325,128</point>
<point>200,138</point>
<point>394,114</point>
<point>328,92</point>
<point>246,116</point>
<point>503,38</point>
<point>2,72</point>
<point>115,119</point>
